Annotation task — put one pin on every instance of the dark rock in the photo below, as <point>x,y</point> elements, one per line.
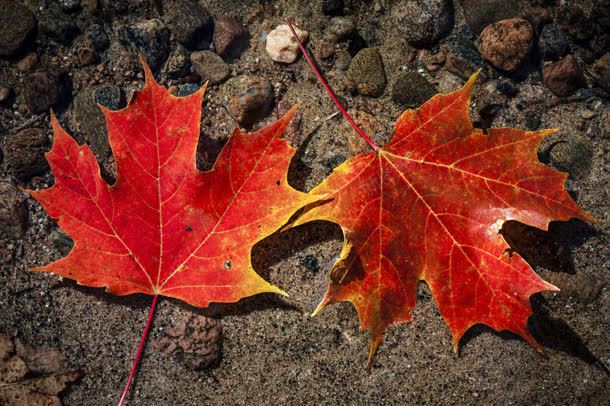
<point>334,161</point>
<point>601,14</point>
<point>54,24</point>
<point>17,24</point>
<point>149,37</point>
<point>42,90</point>
<point>89,119</point>
<point>188,88</point>
<point>340,28</point>
<point>252,98</point>
<point>367,72</point>
<point>563,77</point>
<point>189,22</point>
<point>69,5</point>
<point>310,262</point>
<point>97,37</point>
<point>574,21</point>
<point>230,37</point>
<point>332,7</point>
<point>573,155</point>
<point>601,72</point>
<point>507,43</point>
<point>532,121</point>
<point>479,14</point>
<point>210,66</point>
<point>24,153</point>
<point>553,43</point>
<point>178,63</point>
<point>463,57</point>
<point>537,16</point>
<point>411,89</point>
<point>13,212</point>
<point>507,88</point>
<point>424,22</point>
<point>61,241</point>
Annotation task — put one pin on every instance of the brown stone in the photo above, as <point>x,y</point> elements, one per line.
<point>13,212</point>
<point>24,153</point>
<point>563,77</point>
<point>230,37</point>
<point>507,43</point>
<point>28,62</point>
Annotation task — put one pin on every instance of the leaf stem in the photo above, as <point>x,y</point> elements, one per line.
<point>151,315</point>
<point>329,90</point>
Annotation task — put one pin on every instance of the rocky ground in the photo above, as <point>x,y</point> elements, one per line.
<point>545,63</point>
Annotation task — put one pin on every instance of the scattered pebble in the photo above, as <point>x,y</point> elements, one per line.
<point>281,45</point>
<point>24,153</point>
<point>230,37</point>
<point>463,57</point>
<point>367,72</point>
<point>53,23</point>
<point>210,66</point>
<point>552,43</point>
<point>479,14</point>
<point>13,212</point>
<point>411,89</point>
<point>507,43</point>
<point>148,37</point>
<point>252,98</point>
<point>340,29</point>
<point>177,64</point>
<point>17,24</point>
<point>42,90</point>
<point>563,77</point>
<point>189,22</point>
<point>424,22</point>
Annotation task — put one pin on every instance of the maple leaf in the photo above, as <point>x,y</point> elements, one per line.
<point>164,228</point>
<point>429,206</point>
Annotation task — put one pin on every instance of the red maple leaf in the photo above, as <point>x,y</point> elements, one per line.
<point>164,228</point>
<point>429,206</point>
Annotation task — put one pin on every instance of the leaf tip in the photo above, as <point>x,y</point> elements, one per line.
<point>375,342</point>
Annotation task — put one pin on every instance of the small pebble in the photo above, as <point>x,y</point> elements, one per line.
<point>281,45</point>
<point>507,43</point>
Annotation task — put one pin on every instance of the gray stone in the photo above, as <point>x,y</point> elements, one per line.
<point>42,90</point>
<point>69,5</point>
<point>411,89</point>
<point>340,28</point>
<point>17,24</point>
<point>252,98</point>
<point>552,43</point>
<point>479,14</point>
<point>463,58</point>
<point>210,66</point>
<point>189,22</point>
<point>424,22</point>
<point>13,212</point>
<point>367,72</point>
<point>24,153</point>
<point>148,37</point>
<point>178,63</point>
<point>89,119</point>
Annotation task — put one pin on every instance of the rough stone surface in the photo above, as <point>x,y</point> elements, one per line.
<point>97,37</point>
<point>231,38</point>
<point>563,77</point>
<point>149,37</point>
<point>89,119</point>
<point>210,66</point>
<point>601,70</point>
<point>281,45</point>
<point>572,155</point>
<point>340,29</point>
<point>178,63</point>
<point>507,43</point>
<point>189,22</point>
<point>252,97</point>
<point>479,14</point>
<point>367,72</point>
<point>13,212</point>
<point>411,89</point>
<point>552,43</point>
<point>53,23</point>
<point>424,22</point>
<point>17,23</point>
<point>463,57</point>
<point>574,20</point>
<point>24,153</point>
<point>42,90</point>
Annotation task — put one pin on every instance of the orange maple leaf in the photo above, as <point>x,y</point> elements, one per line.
<point>164,228</point>
<point>429,206</point>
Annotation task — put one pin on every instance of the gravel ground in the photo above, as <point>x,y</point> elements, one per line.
<point>544,64</point>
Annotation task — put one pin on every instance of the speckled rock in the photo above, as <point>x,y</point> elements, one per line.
<point>563,77</point>
<point>13,212</point>
<point>148,37</point>
<point>552,43</point>
<point>97,37</point>
<point>340,28</point>
<point>463,58</point>
<point>601,71</point>
<point>24,153</point>
<point>574,21</point>
<point>251,98</point>
<point>17,23</point>
<point>479,14</point>
<point>367,72</point>
<point>178,63</point>
<point>42,90</point>
<point>210,66</point>
<point>89,119</point>
<point>230,37</point>
<point>281,45</point>
<point>189,22</point>
<point>424,22</point>
<point>411,89</point>
<point>507,43</point>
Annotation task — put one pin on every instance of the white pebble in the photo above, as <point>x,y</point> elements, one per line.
<point>281,45</point>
